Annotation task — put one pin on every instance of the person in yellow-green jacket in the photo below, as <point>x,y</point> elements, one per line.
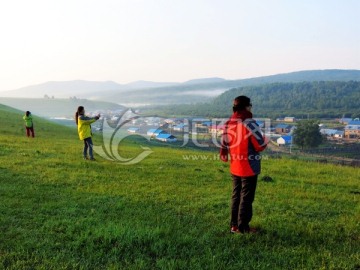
<point>29,125</point>
<point>84,129</point>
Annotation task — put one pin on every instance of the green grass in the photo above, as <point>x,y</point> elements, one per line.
<point>60,212</point>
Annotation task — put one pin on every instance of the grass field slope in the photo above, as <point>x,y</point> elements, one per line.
<point>170,211</point>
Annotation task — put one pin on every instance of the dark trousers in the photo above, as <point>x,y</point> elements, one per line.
<point>88,144</point>
<point>241,201</point>
<point>28,130</point>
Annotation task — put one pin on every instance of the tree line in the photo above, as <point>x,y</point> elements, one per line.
<point>324,99</point>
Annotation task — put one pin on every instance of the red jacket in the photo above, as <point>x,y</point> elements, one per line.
<point>242,139</point>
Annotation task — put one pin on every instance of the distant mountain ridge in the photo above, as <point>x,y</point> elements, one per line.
<point>324,99</point>
<point>61,89</point>
<point>187,93</point>
<point>192,91</point>
<point>57,107</point>
<point>84,89</point>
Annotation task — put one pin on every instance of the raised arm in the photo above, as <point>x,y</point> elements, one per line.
<point>88,120</point>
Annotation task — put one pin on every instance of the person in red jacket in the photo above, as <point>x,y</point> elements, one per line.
<point>242,141</point>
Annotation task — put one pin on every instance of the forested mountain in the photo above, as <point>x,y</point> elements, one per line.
<point>200,90</point>
<point>314,99</point>
<point>155,93</point>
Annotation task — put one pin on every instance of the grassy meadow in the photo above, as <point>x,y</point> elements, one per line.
<point>170,211</point>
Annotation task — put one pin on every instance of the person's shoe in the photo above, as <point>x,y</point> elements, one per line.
<point>92,159</point>
<point>234,229</point>
<point>86,158</point>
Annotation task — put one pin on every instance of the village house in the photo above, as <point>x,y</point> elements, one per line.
<point>282,128</point>
<point>339,134</point>
<point>170,121</point>
<point>345,121</point>
<point>199,125</point>
<point>335,133</point>
<point>217,129</point>
<point>152,121</point>
<point>179,127</point>
<point>289,119</point>
<point>352,130</point>
<point>133,130</point>
<point>154,132</point>
<point>201,122</point>
<point>164,137</point>
<point>284,140</point>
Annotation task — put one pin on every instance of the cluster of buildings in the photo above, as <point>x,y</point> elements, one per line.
<point>158,129</point>
<point>169,130</point>
<point>173,129</point>
<point>350,131</point>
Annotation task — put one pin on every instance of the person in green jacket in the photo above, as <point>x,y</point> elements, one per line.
<point>84,129</point>
<point>29,125</point>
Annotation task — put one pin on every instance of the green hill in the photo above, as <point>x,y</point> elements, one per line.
<point>321,99</point>
<point>170,211</point>
<point>204,91</point>
<point>303,99</point>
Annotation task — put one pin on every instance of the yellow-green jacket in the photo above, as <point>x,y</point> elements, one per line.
<point>28,121</point>
<point>84,128</point>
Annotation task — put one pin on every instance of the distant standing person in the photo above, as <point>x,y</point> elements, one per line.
<point>29,125</point>
<point>242,139</point>
<point>84,129</point>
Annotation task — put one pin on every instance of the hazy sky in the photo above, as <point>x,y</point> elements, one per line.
<point>173,40</point>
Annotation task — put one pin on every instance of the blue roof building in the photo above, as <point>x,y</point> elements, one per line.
<point>328,131</point>
<point>283,128</point>
<point>345,120</point>
<point>354,123</point>
<point>164,137</point>
<point>352,130</point>
<point>179,127</point>
<point>284,140</point>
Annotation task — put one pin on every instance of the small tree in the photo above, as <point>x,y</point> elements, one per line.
<point>307,134</point>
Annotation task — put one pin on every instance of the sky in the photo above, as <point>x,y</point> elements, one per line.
<point>173,40</point>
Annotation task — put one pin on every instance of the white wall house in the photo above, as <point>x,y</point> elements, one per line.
<point>284,140</point>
